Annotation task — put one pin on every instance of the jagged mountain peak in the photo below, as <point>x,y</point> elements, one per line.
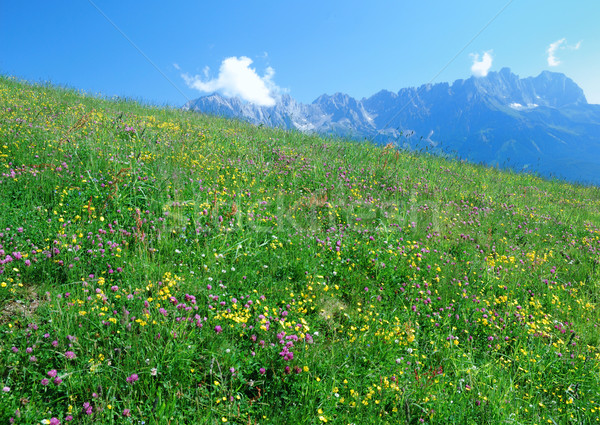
<point>542,122</point>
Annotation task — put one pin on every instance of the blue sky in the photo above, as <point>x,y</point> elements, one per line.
<point>258,49</point>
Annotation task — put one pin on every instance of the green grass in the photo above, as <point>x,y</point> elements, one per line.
<point>168,267</point>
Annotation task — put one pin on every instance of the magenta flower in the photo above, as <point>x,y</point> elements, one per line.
<point>52,373</point>
<point>44,382</point>
<point>131,379</point>
<point>70,355</point>
<point>218,329</point>
<point>127,413</point>
<point>262,370</point>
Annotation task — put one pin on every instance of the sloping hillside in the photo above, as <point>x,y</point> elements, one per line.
<point>158,266</point>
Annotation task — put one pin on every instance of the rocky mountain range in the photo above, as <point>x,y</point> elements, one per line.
<point>542,124</point>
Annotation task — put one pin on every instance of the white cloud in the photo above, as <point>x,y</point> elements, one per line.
<point>552,59</point>
<point>236,78</point>
<point>559,45</point>
<point>176,66</point>
<point>480,68</point>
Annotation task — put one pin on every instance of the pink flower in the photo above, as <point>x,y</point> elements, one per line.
<point>70,355</point>
<point>52,373</point>
<point>127,413</point>
<point>218,329</point>
<point>131,379</point>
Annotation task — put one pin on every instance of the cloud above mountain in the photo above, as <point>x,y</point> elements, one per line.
<point>237,79</point>
<point>556,46</point>
<point>481,67</point>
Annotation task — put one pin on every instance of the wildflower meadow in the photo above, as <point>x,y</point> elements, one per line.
<point>165,267</point>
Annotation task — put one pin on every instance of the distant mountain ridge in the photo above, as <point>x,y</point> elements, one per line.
<point>542,123</point>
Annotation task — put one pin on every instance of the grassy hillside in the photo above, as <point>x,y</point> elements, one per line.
<point>166,267</point>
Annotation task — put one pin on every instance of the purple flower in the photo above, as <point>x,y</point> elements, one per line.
<point>68,418</point>
<point>44,382</point>
<point>262,370</point>
<point>131,379</point>
<point>54,421</point>
<point>127,413</point>
<point>6,389</point>
<point>57,381</point>
<point>70,355</point>
<point>218,329</point>
<point>88,409</point>
<point>52,373</point>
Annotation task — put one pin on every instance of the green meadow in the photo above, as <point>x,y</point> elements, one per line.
<point>165,267</point>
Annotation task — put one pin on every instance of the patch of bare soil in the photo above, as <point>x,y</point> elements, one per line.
<point>24,307</point>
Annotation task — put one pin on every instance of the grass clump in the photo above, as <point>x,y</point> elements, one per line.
<point>167,267</point>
